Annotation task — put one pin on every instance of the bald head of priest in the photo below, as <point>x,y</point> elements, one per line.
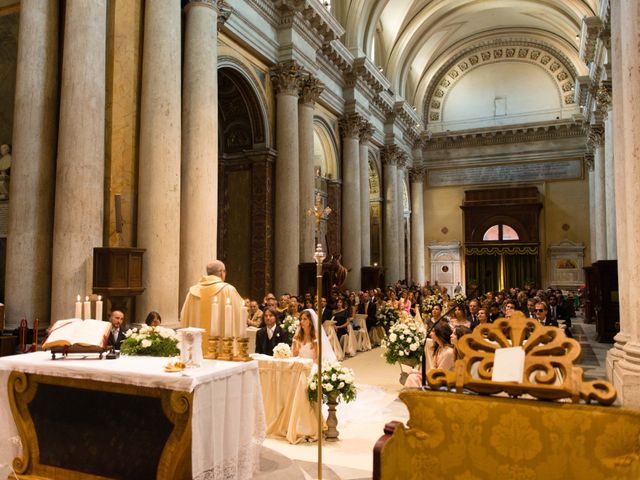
<point>206,302</point>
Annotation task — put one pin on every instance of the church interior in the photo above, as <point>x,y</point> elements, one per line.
<point>473,144</point>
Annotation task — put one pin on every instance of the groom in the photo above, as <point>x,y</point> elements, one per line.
<point>270,335</point>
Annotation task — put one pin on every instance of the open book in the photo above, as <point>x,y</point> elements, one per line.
<point>76,332</point>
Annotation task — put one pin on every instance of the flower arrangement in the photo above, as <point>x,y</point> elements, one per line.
<point>337,381</point>
<point>387,316</point>
<point>459,298</point>
<point>430,302</point>
<point>403,344</point>
<point>290,326</point>
<point>152,341</point>
<point>282,350</point>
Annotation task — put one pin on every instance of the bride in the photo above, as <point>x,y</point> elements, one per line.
<point>304,341</point>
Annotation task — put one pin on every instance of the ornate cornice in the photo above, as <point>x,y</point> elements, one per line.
<point>554,62</point>
<point>310,90</point>
<point>603,97</point>
<point>589,34</point>
<point>224,12</point>
<point>363,70</point>
<point>589,161</point>
<point>319,22</point>
<point>286,77</point>
<point>502,135</point>
<point>401,159</point>
<point>351,125</point>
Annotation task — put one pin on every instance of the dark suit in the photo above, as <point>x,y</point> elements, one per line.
<point>116,343</point>
<point>265,345</point>
<point>327,313</point>
<point>371,313</point>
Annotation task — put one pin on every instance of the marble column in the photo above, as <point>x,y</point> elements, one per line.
<point>400,172</point>
<point>625,30</point>
<point>286,79</point>
<point>79,195</point>
<point>596,142</point>
<point>390,222</point>
<point>417,225</point>
<point>350,127</point>
<point>592,207</point>
<point>309,94</point>
<point>28,282</point>
<point>159,163</point>
<point>199,175</point>
<point>604,103</point>
<point>365,215</point>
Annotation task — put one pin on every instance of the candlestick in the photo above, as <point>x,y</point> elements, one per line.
<point>87,308</point>
<point>242,331</point>
<point>78,313</point>
<point>228,319</point>
<point>99,308</point>
<point>214,330</point>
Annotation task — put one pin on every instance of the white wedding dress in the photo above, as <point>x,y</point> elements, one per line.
<point>328,354</point>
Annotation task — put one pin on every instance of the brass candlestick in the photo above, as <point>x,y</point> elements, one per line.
<point>213,346</point>
<point>227,349</point>
<point>243,347</point>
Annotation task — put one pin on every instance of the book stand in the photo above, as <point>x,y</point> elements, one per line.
<point>64,351</point>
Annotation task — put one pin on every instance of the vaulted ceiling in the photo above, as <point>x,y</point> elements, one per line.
<point>417,43</point>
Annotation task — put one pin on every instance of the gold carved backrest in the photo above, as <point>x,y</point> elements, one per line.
<point>549,369</point>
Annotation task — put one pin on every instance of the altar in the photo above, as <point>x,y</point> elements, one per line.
<point>128,418</point>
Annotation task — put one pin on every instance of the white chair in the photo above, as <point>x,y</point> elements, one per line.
<point>363,342</point>
<point>333,339</point>
<point>348,342</point>
<point>376,334</point>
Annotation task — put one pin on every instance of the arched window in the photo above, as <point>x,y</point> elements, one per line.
<point>500,233</point>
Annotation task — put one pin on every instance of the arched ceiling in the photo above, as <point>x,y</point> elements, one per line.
<point>415,42</point>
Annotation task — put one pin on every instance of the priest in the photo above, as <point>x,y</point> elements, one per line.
<point>209,293</point>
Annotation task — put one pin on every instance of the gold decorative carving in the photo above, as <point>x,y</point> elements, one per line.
<point>549,372</point>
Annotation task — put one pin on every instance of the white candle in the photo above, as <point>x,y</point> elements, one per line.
<point>99,308</point>
<point>228,319</point>
<point>87,308</point>
<point>214,331</point>
<point>242,332</point>
<point>78,313</point>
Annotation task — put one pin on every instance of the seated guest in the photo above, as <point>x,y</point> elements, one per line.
<point>153,319</point>
<point>270,334</point>
<point>327,313</point>
<point>255,315</point>
<point>542,315</point>
<point>494,312</point>
<point>443,353</point>
<point>341,316</point>
<point>292,308</point>
<point>368,307</point>
<point>436,314</point>
<point>459,318</point>
<point>458,332</point>
<point>269,301</point>
<point>509,307</point>
<point>305,344</point>
<point>117,331</point>
<point>483,315</point>
<point>531,308</point>
<point>474,305</point>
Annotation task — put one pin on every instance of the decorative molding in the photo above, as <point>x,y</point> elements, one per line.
<point>416,174</point>
<point>319,22</point>
<point>595,137</point>
<point>389,154</point>
<point>589,161</point>
<point>286,77</point>
<point>589,34</point>
<point>553,61</point>
<point>604,96</point>
<point>366,132</point>
<point>502,135</point>
<point>350,125</point>
<point>224,12</point>
<point>310,90</point>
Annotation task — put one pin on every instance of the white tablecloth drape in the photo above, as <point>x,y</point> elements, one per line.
<point>228,422</point>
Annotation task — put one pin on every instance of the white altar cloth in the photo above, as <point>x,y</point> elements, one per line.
<point>228,422</point>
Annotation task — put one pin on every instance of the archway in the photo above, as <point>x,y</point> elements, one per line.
<point>246,199</point>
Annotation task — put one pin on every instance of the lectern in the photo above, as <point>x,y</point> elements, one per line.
<point>117,274</point>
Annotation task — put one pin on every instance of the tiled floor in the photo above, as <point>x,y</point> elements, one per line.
<point>594,354</point>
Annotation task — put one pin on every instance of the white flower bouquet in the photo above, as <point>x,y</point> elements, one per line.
<point>290,326</point>
<point>430,302</point>
<point>282,350</point>
<point>152,341</point>
<point>404,343</point>
<point>387,316</point>
<point>337,381</point>
<point>459,299</point>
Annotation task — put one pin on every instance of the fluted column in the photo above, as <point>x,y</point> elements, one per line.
<point>604,104</point>
<point>417,225</point>
<point>286,79</point>
<point>390,222</point>
<point>625,30</point>
<point>596,142</point>
<point>400,172</point>
<point>160,151</point>
<point>592,206</point>
<point>309,94</point>
<point>199,176</point>
<point>365,216</point>
<point>79,197</point>
<point>28,282</point>
<point>350,127</point>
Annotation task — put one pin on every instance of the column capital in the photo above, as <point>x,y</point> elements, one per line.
<point>310,90</point>
<point>589,161</point>
<point>286,77</point>
<point>350,125</point>
<point>416,174</point>
<point>402,159</point>
<point>595,137</point>
<point>366,132</point>
<point>604,96</point>
<point>389,155</point>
